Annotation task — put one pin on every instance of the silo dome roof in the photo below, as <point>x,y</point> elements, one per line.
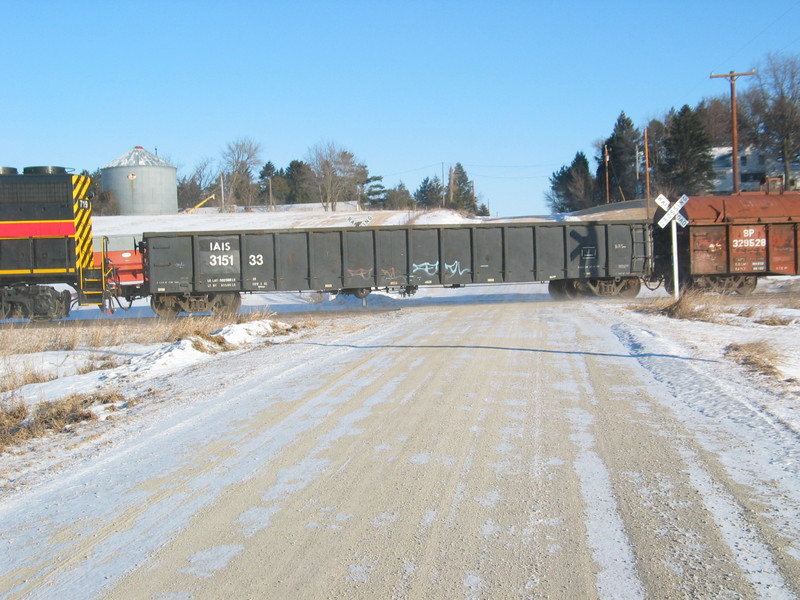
<point>138,157</point>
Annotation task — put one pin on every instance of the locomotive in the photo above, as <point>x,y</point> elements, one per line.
<point>46,239</point>
<point>46,243</point>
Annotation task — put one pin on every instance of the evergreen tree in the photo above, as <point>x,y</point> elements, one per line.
<point>460,194</point>
<point>687,165</point>
<point>301,183</point>
<point>398,198</point>
<point>273,185</point>
<point>373,193</point>
<point>429,193</point>
<point>623,161</point>
<point>572,187</point>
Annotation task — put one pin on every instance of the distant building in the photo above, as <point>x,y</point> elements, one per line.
<point>142,183</point>
<point>755,166</point>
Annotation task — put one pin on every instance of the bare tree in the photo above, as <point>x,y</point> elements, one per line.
<point>239,160</point>
<point>197,186</point>
<point>338,175</point>
<point>777,106</point>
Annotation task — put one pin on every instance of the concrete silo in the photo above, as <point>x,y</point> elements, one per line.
<point>142,183</point>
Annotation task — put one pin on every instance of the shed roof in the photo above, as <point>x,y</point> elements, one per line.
<point>138,157</point>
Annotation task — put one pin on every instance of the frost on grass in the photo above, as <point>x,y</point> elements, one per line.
<point>757,356</point>
<point>19,423</point>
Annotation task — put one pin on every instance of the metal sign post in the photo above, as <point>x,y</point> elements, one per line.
<point>673,215</point>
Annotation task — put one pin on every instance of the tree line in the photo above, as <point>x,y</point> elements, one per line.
<point>330,175</point>
<point>679,143</point>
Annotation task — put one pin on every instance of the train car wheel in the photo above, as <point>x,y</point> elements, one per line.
<point>747,286</point>
<point>361,292</point>
<point>227,303</point>
<point>556,289</point>
<point>164,306</point>
<point>630,288</point>
<point>572,291</point>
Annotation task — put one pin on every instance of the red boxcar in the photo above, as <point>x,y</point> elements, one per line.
<point>733,239</point>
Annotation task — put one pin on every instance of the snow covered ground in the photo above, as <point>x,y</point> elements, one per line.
<point>699,339</point>
<point>49,475</point>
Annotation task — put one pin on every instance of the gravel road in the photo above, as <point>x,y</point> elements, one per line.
<point>473,451</point>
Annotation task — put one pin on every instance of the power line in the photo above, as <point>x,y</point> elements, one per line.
<point>763,31</point>
<point>539,166</point>
<point>413,170</point>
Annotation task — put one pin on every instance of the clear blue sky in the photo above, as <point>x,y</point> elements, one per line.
<point>511,90</point>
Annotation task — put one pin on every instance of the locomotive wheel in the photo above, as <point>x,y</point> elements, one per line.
<point>164,306</point>
<point>630,288</point>
<point>747,286</point>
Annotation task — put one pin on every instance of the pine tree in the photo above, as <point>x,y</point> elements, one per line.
<point>398,198</point>
<point>429,193</point>
<point>301,183</point>
<point>687,166</point>
<point>623,161</point>
<point>572,187</point>
<point>460,194</point>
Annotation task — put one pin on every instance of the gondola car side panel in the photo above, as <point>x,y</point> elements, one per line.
<point>490,254</point>
<point>258,262</point>
<point>518,251</point>
<point>169,264</point>
<point>218,266</point>
<point>358,259</point>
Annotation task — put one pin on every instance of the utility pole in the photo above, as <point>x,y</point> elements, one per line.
<point>608,190</point>
<point>733,76</point>
<point>452,179</point>
<point>647,176</point>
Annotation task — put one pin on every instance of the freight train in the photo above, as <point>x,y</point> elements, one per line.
<point>46,243</point>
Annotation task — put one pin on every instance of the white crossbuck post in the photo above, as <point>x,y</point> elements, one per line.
<point>673,216</point>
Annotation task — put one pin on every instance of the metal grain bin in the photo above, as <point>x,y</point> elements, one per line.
<point>142,183</point>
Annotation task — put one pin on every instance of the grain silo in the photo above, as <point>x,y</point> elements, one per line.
<point>142,183</point>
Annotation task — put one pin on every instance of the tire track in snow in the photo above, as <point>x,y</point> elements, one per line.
<point>726,424</point>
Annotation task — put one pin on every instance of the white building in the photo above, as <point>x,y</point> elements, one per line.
<point>755,166</point>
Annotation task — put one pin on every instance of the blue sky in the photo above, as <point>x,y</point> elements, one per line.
<point>511,90</point>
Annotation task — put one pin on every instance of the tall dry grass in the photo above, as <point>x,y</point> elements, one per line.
<point>75,335</point>
<point>692,306</point>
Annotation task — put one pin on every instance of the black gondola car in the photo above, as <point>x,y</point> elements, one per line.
<point>202,271</point>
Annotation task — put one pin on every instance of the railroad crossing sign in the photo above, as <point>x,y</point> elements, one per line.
<point>673,211</point>
<point>671,217</point>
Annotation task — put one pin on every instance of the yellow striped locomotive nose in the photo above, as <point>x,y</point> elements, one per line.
<point>82,209</point>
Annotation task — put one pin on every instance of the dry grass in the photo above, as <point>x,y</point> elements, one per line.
<point>775,320</point>
<point>692,306</point>
<point>74,335</point>
<point>714,308</point>
<point>19,423</point>
<point>16,378</point>
<point>99,362</point>
<point>759,357</point>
